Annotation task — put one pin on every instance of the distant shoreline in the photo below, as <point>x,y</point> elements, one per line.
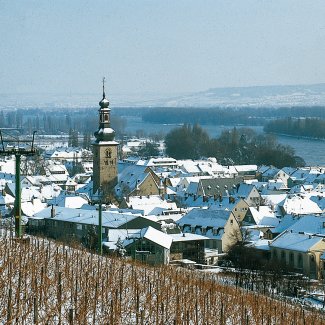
<point>296,136</point>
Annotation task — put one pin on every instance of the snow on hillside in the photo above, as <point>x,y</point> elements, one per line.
<point>258,96</point>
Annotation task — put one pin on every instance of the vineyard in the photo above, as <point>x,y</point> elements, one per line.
<point>44,282</point>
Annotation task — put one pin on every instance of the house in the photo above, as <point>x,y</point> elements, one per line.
<point>268,173</point>
<point>68,201</point>
<point>70,154</point>
<point>210,187</point>
<point>320,201</point>
<point>8,165</point>
<point>309,224</point>
<point>151,246</point>
<point>249,193</point>
<point>78,224</point>
<point>300,252</point>
<point>247,171</point>
<point>150,205</point>
<point>240,209</point>
<point>138,180</point>
<point>261,217</point>
<point>299,204</point>
<point>284,174</point>
<point>221,226</point>
<point>188,246</point>
<point>300,176</point>
<point>56,172</point>
<point>284,223</point>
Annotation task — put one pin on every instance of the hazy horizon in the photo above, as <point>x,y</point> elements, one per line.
<point>159,47</point>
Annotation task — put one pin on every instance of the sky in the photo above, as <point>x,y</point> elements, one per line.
<point>159,46</point>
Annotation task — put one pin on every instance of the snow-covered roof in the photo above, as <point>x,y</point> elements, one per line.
<point>30,208</point>
<point>246,168</point>
<point>274,199</point>
<point>300,204</point>
<point>244,190</point>
<point>149,204</point>
<point>270,172</point>
<point>131,176</point>
<point>157,237</point>
<point>320,201</point>
<point>187,237</point>
<point>309,224</point>
<point>285,222</point>
<point>68,201</point>
<point>109,219</point>
<point>205,218</point>
<point>261,244</point>
<point>264,216</point>
<point>295,241</point>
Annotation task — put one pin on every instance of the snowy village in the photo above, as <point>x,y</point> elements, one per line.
<point>162,162</point>
<point>196,215</point>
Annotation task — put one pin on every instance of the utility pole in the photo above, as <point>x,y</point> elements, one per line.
<point>14,146</point>
<point>98,201</point>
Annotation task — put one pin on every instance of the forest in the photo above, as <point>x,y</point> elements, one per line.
<point>234,146</point>
<point>302,127</point>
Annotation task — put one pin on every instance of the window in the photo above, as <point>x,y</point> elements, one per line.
<point>275,254</point>
<point>291,258</point>
<point>300,261</point>
<point>108,153</point>
<point>79,227</point>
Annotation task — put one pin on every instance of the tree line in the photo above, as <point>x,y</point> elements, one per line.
<point>306,127</point>
<point>59,121</point>
<point>233,146</point>
<point>227,115</point>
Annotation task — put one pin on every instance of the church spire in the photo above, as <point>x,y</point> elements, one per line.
<point>104,132</point>
<point>104,87</point>
<point>104,103</point>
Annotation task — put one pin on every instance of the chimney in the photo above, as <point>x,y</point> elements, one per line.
<point>52,211</point>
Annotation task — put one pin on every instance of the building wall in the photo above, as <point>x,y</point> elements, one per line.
<point>240,210</point>
<point>147,187</point>
<point>188,249</point>
<point>68,231</point>
<point>146,251</point>
<point>307,263</point>
<point>232,233</point>
<point>105,165</point>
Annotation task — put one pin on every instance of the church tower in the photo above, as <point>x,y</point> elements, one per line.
<point>104,150</point>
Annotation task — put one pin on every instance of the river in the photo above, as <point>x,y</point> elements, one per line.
<point>312,151</point>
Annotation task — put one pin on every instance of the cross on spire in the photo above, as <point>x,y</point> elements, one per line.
<point>103,87</point>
